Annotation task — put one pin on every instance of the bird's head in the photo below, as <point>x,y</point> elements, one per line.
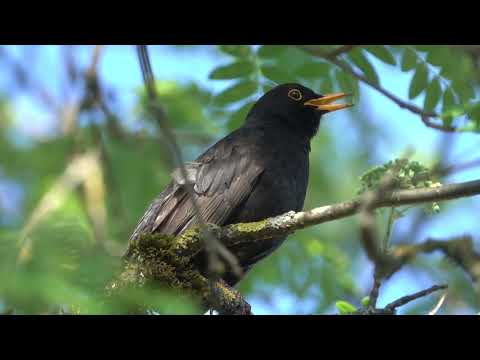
<point>295,106</point>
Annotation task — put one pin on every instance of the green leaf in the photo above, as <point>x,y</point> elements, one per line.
<point>457,66</point>
<point>382,53</point>
<point>473,113</point>
<point>460,67</point>
<point>275,74</point>
<point>448,99</point>
<point>326,86</point>
<point>434,93</point>
<point>365,301</point>
<point>409,60</point>
<point>345,307</point>
<point>419,81</point>
<point>449,102</point>
<point>238,117</point>
<point>270,51</point>
<point>449,69</point>
<point>451,108</point>
<point>241,51</point>
<point>424,48</point>
<point>232,71</point>
<point>266,87</point>
<point>438,55</point>
<point>464,90</point>
<point>447,119</point>
<point>361,61</point>
<point>451,113</point>
<point>316,248</point>
<point>313,70</point>
<point>346,83</point>
<point>237,92</point>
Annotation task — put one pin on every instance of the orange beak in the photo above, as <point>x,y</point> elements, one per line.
<point>324,103</point>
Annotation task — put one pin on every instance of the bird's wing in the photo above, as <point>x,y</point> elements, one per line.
<point>223,177</point>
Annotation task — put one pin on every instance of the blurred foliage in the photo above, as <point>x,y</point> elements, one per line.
<point>406,175</point>
<point>345,308</point>
<point>446,77</point>
<point>57,253</point>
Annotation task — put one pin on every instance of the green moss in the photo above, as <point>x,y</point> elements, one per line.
<point>163,261</point>
<point>250,227</point>
<point>228,293</point>
<point>155,258</point>
<point>188,240</point>
<point>159,241</point>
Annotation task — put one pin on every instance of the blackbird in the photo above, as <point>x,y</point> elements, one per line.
<point>258,171</point>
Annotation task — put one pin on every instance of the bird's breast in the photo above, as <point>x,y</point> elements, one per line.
<point>280,188</point>
<point>286,180</point>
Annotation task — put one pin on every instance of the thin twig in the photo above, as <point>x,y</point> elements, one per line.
<point>289,222</point>
<point>439,304</point>
<point>426,117</point>
<point>78,170</point>
<point>459,249</point>
<point>97,52</point>
<point>282,225</point>
<point>408,298</point>
<point>374,292</point>
<point>341,50</point>
<point>27,81</point>
<point>455,168</point>
<point>390,309</point>
<point>213,247</point>
<point>388,233</point>
<point>374,251</point>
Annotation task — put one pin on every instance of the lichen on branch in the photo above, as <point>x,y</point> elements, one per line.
<point>168,259</point>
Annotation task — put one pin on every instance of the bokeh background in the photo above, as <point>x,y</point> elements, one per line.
<point>80,162</point>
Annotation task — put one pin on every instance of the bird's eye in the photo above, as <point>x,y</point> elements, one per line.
<point>295,94</point>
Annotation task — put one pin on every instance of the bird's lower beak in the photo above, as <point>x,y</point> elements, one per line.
<point>324,103</point>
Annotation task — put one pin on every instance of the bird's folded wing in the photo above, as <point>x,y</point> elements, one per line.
<point>222,178</point>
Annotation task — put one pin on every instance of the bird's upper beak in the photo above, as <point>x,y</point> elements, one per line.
<point>324,103</point>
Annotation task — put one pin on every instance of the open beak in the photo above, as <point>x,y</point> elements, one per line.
<point>324,103</point>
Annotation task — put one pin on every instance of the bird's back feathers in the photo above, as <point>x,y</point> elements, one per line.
<point>222,178</point>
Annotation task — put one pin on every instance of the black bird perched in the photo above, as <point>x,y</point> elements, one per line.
<point>258,171</point>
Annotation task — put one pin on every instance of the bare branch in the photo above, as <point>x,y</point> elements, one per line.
<point>97,52</point>
<point>391,308</point>
<point>406,299</point>
<point>438,305</point>
<point>455,168</point>
<point>367,223</point>
<point>185,246</point>
<point>342,50</point>
<point>426,117</point>
<point>189,243</point>
<point>374,292</point>
<point>213,246</point>
<point>77,171</point>
<point>28,82</point>
<point>376,253</point>
<point>459,249</point>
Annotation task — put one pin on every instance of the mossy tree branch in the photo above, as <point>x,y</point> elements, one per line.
<point>189,242</point>
<point>163,261</point>
<point>168,259</point>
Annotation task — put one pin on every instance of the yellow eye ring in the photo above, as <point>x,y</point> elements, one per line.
<point>295,94</point>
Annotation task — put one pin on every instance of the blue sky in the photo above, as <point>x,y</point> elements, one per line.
<point>119,69</point>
